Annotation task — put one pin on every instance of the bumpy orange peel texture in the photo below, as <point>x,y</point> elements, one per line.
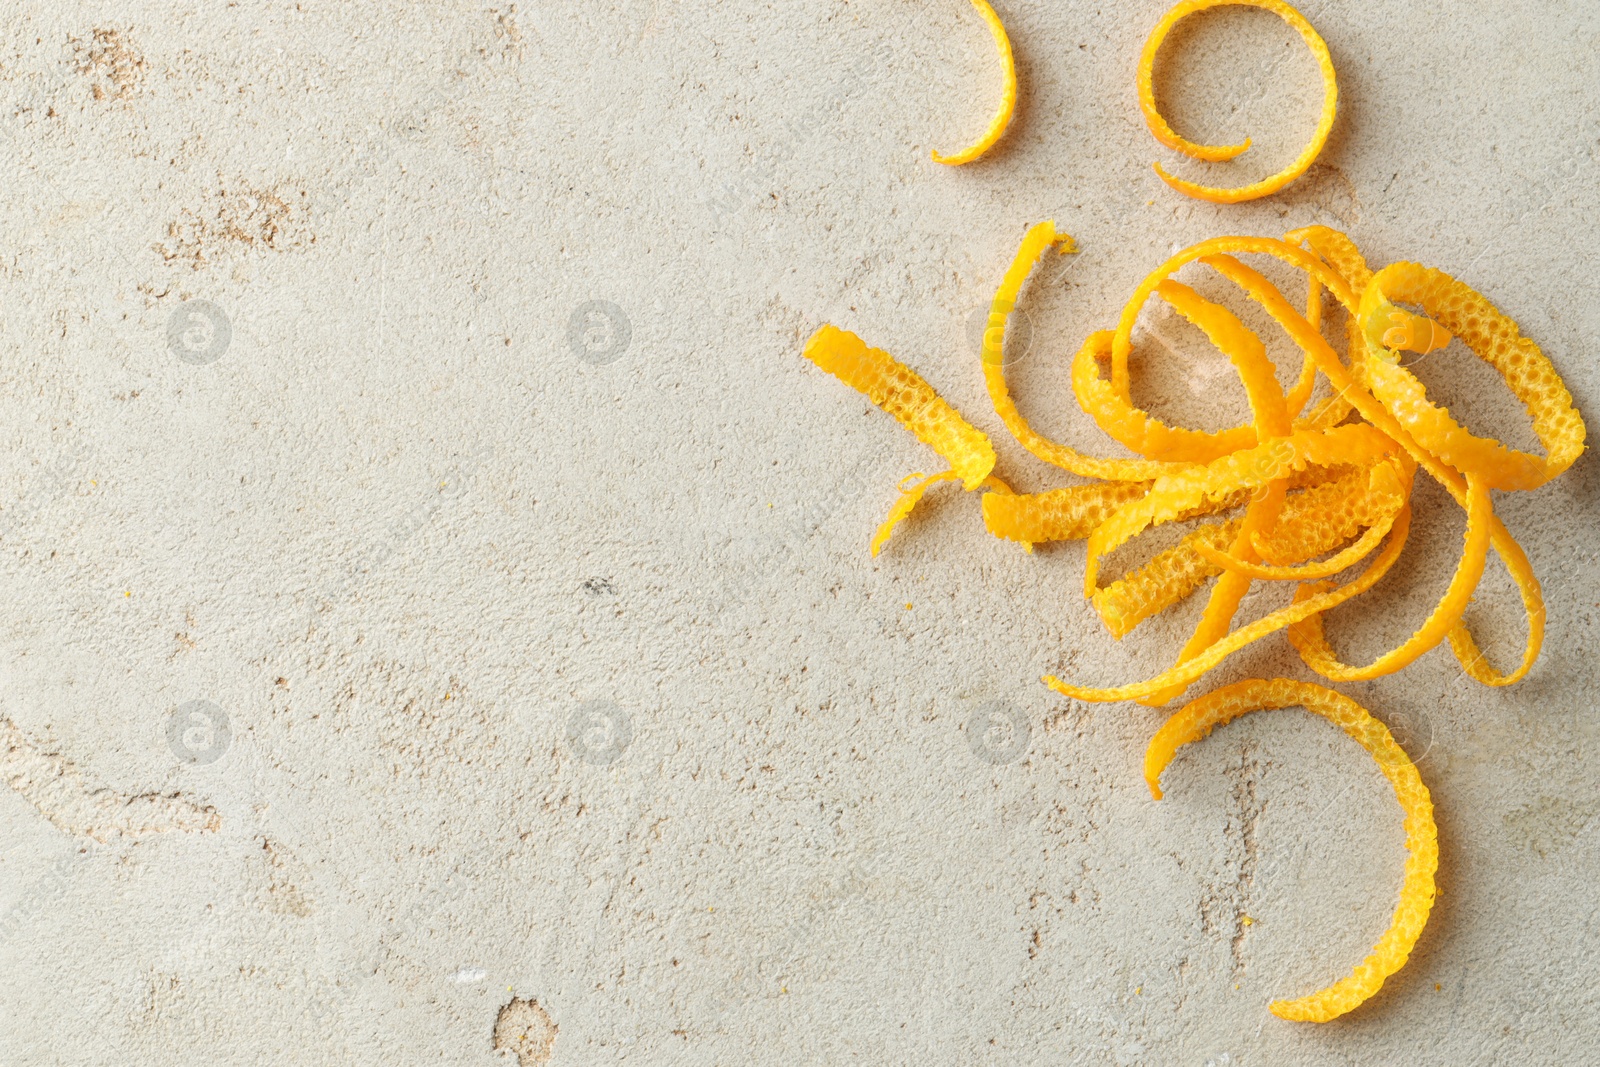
<point>1008,93</point>
<point>1199,717</point>
<point>902,392</point>
<point>1310,481</point>
<point>1164,132</point>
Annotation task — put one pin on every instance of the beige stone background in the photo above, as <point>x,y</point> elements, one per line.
<point>406,663</point>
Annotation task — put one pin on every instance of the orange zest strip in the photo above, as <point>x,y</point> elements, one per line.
<point>1213,153</point>
<point>1365,545</point>
<point>1172,495</point>
<point>912,489</point>
<point>1308,639</point>
<point>1170,576</point>
<point>1417,888</point>
<point>1461,642</point>
<point>1040,238</point>
<point>1242,347</point>
<point>1337,250</point>
<point>1387,326</point>
<point>1493,338</point>
<point>1008,93</point>
<point>1114,413</point>
<point>1300,395</point>
<point>1271,421</point>
<point>1068,514</point>
<point>1229,590</point>
<point>910,496</point>
<point>1330,511</point>
<point>1379,506</point>
<point>1186,672</point>
<point>900,391</point>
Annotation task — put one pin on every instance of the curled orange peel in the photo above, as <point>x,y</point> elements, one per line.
<point>1189,670</point>
<point>1173,495</point>
<point>912,489</point>
<point>1164,132</point>
<point>1384,501</point>
<point>1417,889</point>
<point>1039,239</point>
<point>1307,636</point>
<point>1364,546</point>
<point>900,391</point>
<point>1324,487</point>
<point>1320,493</point>
<point>1008,93</point>
<point>1493,338</point>
<point>1172,575</point>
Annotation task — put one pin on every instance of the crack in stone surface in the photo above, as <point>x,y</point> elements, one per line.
<point>51,783</point>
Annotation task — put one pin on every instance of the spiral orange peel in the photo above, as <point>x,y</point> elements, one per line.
<point>1008,93</point>
<point>1493,338</point>
<point>1417,890</point>
<point>1164,132</point>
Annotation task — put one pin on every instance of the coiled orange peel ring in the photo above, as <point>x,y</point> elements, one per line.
<point>1215,153</point>
<point>1199,717</point>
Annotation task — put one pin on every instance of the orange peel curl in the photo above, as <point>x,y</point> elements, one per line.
<point>1008,93</point>
<point>1164,132</point>
<point>1417,888</point>
<point>1321,494</point>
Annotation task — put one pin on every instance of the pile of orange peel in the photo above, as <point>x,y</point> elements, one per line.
<point>1315,489</point>
<point>1334,477</point>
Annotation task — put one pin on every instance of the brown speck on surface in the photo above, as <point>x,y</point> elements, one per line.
<point>283,895</point>
<point>526,1030</point>
<point>507,33</point>
<point>237,216</point>
<point>114,67</point>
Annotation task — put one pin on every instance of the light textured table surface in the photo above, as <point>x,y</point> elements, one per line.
<point>493,423</point>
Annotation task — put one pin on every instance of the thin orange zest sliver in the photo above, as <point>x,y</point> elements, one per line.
<point>1008,93</point>
<point>900,391</point>
<point>1417,888</point>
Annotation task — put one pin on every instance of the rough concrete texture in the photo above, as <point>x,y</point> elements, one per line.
<point>438,623</point>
